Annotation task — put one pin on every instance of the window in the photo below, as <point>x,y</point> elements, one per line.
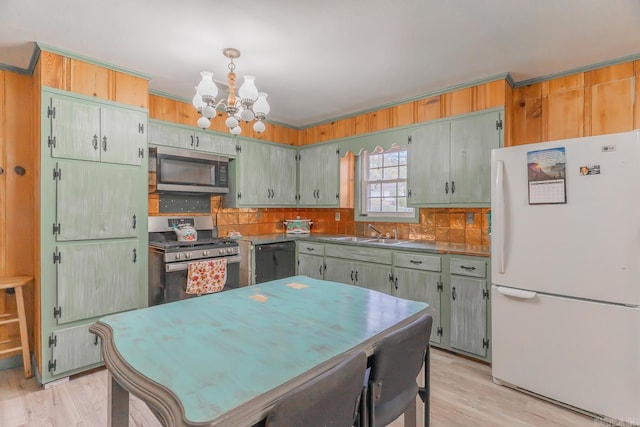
<point>384,183</point>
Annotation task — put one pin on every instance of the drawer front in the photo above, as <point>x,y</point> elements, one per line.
<point>417,261</point>
<point>359,253</point>
<point>468,267</point>
<point>311,248</point>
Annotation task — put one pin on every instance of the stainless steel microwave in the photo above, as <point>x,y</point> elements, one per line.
<point>186,171</point>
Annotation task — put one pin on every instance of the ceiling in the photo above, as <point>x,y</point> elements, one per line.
<point>321,60</point>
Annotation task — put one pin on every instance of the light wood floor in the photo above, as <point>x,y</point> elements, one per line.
<point>462,394</point>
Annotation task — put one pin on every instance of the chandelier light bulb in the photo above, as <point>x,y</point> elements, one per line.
<point>203,122</point>
<point>236,130</point>
<point>197,101</point>
<point>206,87</point>
<point>209,112</point>
<point>259,126</point>
<point>248,90</point>
<point>231,122</point>
<point>261,106</point>
<point>247,115</point>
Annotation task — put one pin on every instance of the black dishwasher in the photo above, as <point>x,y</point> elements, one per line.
<point>275,261</point>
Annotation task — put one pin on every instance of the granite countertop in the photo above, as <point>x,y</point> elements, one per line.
<point>413,245</point>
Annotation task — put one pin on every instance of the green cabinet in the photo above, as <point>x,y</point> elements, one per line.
<point>78,129</point>
<point>93,239</point>
<point>172,135</point>
<point>310,259</point>
<point>418,277</point>
<point>450,160</point>
<point>319,176</point>
<point>359,265</point>
<point>469,296</point>
<point>263,175</point>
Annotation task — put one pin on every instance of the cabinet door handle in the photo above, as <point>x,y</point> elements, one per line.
<point>95,142</point>
<point>320,271</point>
<point>197,141</point>
<point>135,220</point>
<point>192,140</point>
<point>453,187</point>
<point>413,261</point>
<point>464,267</point>
<point>446,187</point>
<point>395,282</point>
<point>135,255</point>
<point>104,143</point>
<point>310,249</point>
<point>453,293</point>
<point>356,275</point>
<point>352,275</point>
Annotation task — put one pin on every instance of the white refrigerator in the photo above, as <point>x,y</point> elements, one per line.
<point>565,261</point>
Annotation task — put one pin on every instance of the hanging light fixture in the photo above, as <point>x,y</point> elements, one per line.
<point>247,106</point>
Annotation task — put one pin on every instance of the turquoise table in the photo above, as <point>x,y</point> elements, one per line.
<point>225,359</point>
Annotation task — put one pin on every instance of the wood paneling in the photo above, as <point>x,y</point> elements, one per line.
<point>17,218</point>
<point>131,90</point>
<point>525,118</point>
<point>460,101</point>
<point>563,114</point>
<point>428,108</point>
<point>53,70</point>
<point>610,99</point>
<point>379,120</point>
<point>490,95</point>
<point>403,114</point>
<point>91,80</point>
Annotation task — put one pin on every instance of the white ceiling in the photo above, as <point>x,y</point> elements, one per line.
<point>324,59</point>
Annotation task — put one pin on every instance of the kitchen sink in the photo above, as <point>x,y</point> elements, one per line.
<point>390,242</point>
<point>357,239</point>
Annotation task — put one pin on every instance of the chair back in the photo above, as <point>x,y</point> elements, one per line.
<point>330,399</point>
<point>395,365</point>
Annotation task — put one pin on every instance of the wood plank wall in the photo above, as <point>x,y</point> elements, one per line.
<point>596,102</point>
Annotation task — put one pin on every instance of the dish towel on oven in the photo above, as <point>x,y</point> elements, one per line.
<point>206,277</point>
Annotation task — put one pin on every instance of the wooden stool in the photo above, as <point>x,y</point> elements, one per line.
<point>17,282</point>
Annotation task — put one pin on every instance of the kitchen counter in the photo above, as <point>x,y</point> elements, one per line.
<point>402,244</point>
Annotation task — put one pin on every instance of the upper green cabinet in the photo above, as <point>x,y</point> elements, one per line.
<point>178,136</point>
<point>450,161</point>
<point>319,176</point>
<point>80,130</point>
<point>262,175</point>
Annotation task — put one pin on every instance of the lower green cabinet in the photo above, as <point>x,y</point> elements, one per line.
<point>311,265</point>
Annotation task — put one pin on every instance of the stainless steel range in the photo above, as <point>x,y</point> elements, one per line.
<point>169,258</point>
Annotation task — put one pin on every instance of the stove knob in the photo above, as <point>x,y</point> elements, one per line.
<point>221,251</point>
<point>187,255</point>
<point>178,256</point>
<point>229,250</point>
<point>205,253</point>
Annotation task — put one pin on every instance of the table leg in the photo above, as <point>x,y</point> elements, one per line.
<point>427,385</point>
<point>118,398</point>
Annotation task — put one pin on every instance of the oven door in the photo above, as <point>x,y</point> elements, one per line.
<point>175,278</point>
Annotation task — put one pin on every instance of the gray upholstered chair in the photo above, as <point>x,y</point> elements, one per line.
<point>395,365</point>
<point>334,398</point>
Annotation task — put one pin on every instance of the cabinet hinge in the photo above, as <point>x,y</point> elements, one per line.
<point>52,365</point>
<point>140,127</point>
<point>57,312</point>
<point>57,258</point>
<point>298,157</point>
<point>409,139</point>
<point>141,153</point>
<point>238,148</point>
<point>439,331</point>
<point>440,287</point>
<point>485,294</point>
<point>51,112</point>
<point>239,196</point>
<point>56,229</point>
<point>337,151</point>
<point>337,196</point>
<point>57,173</point>
<point>499,124</point>
<point>51,142</point>
<point>53,340</point>
<point>485,342</point>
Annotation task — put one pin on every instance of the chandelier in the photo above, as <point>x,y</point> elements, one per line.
<point>247,106</point>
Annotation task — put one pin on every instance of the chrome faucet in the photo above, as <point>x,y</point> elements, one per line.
<point>376,230</point>
<point>395,234</point>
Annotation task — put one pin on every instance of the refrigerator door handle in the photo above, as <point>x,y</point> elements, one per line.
<point>516,293</point>
<point>500,219</point>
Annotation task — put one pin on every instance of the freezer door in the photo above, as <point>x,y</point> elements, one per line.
<point>582,353</point>
<point>588,247</point>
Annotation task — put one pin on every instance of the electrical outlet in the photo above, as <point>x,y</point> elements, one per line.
<point>337,216</point>
<point>259,215</point>
<point>471,218</point>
